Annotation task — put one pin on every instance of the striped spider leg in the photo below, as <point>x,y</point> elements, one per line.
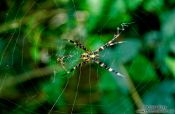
<point>78,45</point>
<point>108,68</point>
<point>120,29</point>
<point>107,45</point>
<point>113,42</point>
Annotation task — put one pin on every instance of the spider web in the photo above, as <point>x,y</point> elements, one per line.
<point>41,79</point>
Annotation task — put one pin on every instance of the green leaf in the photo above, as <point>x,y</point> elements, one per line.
<point>104,82</point>
<point>171,64</point>
<point>153,5</point>
<point>118,14</point>
<point>95,41</point>
<point>116,103</point>
<point>127,50</point>
<point>95,8</point>
<point>161,94</point>
<point>142,70</point>
<point>168,25</point>
<point>35,53</point>
<point>132,4</point>
<point>55,89</point>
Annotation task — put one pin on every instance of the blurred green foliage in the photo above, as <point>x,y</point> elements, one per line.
<point>32,37</point>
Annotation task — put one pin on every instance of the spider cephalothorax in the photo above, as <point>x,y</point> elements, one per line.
<point>89,56</point>
<point>93,56</point>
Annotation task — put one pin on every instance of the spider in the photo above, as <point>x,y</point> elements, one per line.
<point>93,56</point>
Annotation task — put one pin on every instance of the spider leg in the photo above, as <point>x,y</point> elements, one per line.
<point>78,45</point>
<point>108,68</point>
<point>107,45</point>
<point>75,67</point>
<point>61,61</point>
<point>120,29</point>
<point>120,42</point>
<point>112,42</point>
